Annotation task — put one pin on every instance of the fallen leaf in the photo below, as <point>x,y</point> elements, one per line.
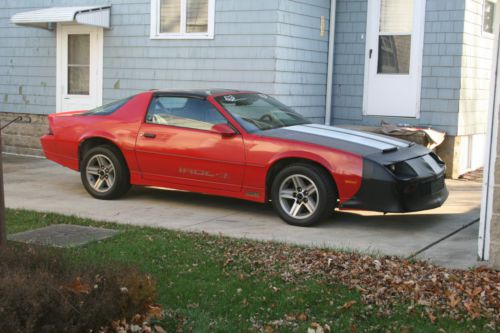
<point>159,329</point>
<point>301,317</point>
<point>431,316</point>
<point>347,305</point>
<point>453,301</point>
<point>268,329</point>
<point>154,311</point>
<point>78,287</point>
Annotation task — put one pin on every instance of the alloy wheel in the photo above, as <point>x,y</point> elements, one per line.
<point>100,173</point>
<point>298,196</point>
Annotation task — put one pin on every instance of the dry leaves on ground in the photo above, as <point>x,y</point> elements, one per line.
<point>140,323</point>
<point>457,294</point>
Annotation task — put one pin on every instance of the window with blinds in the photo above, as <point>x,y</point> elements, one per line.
<point>197,16</point>
<point>395,30</point>
<point>182,18</point>
<point>170,16</point>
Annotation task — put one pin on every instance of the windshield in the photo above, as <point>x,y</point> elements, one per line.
<point>259,112</point>
<point>107,108</point>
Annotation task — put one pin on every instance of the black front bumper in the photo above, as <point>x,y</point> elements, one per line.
<point>383,191</point>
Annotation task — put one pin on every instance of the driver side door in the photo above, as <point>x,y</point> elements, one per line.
<point>176,145</point>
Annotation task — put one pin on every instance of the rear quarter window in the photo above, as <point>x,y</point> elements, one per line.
<point>108,109</point>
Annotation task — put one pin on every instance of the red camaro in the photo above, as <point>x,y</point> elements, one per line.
<point>245,145</point>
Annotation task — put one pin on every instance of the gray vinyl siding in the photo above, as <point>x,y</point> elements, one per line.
<point>445,57</point>
<point>349,62</point>
<point>27,64</point>
<point>241,56</point>
<point>273,46</point>
<point>302,56</point>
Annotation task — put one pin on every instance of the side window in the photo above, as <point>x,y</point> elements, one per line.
<point>183,112</point>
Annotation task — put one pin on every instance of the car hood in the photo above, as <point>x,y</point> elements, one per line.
<point>379,148</point>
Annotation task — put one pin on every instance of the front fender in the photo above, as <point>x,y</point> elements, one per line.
<point>345,169</point>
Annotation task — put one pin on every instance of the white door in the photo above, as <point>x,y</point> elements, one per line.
<point>394,51</point>
<point>79,67</point>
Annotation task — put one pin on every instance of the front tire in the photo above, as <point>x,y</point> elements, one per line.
<point>104,172</point>
<point>303,194</point>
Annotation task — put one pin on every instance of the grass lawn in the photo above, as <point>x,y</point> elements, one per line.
<point>202,292</point>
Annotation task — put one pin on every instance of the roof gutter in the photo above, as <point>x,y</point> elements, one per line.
<point>329,78</point>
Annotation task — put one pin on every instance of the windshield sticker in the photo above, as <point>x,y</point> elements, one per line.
<point>230,98</point>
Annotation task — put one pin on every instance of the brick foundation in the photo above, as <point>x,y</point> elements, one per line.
<point>21,138</point>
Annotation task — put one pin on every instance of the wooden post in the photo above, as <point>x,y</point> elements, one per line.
<point>3,229</point>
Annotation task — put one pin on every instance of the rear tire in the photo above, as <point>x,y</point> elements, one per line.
<point>104,173</point>
<point>303,194</point>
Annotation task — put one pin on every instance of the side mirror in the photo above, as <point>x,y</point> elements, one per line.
<point>223,129</point>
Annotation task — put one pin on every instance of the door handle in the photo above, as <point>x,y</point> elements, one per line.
<point>370,54</point>
<point>149,135</point>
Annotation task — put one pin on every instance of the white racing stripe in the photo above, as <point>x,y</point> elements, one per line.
<point>341,136</point>
<point>387,140</point>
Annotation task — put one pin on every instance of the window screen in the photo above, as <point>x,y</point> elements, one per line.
<point>78,64</point>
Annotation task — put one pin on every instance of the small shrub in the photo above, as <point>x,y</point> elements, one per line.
<point>40,291</point>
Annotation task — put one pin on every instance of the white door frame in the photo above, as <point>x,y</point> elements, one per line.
<point>372,28</point>
<point>61,53</point>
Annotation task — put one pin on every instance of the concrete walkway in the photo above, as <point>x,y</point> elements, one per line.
<point>41,185</point>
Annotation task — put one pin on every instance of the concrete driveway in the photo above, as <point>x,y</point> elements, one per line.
<point>41,185</point>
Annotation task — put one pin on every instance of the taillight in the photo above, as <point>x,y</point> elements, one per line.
<point>50,120</point>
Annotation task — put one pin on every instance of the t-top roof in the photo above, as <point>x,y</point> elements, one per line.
<point>200,93</point>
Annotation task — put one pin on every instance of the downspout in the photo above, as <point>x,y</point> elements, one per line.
<point>329,78</point>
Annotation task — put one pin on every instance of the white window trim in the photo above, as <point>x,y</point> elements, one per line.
<point>155,23</point>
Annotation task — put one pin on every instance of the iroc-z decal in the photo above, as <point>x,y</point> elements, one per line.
<point>203,173</point>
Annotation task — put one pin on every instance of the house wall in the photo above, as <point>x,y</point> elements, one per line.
<point>476,70</point>
<point>27,63</point>
<point>440,73</point>
<point>241,56</point>
<point>302,56</point>
<point>474,91</point>
<point>273,46</point>
<point>455,76</point>
<point>349,62</point>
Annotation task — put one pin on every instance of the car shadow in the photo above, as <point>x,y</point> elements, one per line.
<point>409,221</point>
<point>371,221</point>
<point>196,199</point>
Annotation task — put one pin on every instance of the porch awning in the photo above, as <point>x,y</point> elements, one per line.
<point>98,16</point>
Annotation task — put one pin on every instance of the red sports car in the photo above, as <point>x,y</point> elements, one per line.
<point>245,145</point>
